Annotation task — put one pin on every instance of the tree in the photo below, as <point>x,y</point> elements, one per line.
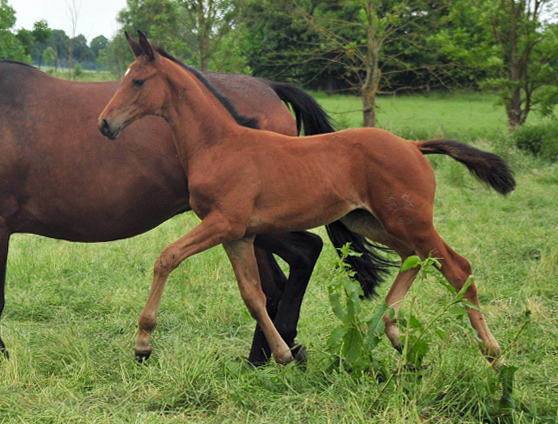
<point>349,39</point>
<point>279,45</point>
<point>49,56</point>
<point>81,51</point>
<point>41,34</point>
<point>158,19</point>
<point>204,31</point>
<point>10,46</point>
<point>98,43</point>
<point>59,43</point>
<point>98,46</point>
<point>510,42</point>
<point>210,24</point>
<point>25,40</point>
<point>73,15</point>
<point>117,55</point>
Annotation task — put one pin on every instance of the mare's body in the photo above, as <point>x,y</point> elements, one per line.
<point>378,184</point>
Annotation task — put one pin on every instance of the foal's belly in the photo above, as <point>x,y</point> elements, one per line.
<point>298,216</point>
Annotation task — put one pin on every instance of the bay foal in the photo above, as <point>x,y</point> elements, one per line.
<point>244,182</point>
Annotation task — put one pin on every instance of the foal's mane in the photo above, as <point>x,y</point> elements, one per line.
<point>246,121</point>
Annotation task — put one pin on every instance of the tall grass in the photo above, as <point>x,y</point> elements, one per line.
<point>70,320</point>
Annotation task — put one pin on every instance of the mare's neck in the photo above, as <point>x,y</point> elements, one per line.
<point>197,118</point>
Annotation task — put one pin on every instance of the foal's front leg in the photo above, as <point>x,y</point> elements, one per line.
<point>241,255</point>
<point>212,231</point>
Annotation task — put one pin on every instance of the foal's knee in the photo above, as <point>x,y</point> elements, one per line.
<point>165,264</point>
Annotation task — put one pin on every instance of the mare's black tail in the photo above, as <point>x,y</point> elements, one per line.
<point>370,267</point>
<point>309,115</point>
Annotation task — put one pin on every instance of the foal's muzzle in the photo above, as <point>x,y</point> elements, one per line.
<point>107,131</point>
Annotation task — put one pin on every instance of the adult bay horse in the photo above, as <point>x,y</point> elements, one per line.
<point>378,184</point>
<point>60,179</point>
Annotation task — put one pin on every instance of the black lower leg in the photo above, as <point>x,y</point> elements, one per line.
<point>3,350</point>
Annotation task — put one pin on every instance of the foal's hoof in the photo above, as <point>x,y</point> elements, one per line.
<point>141,357</point>
<point>299,353</point>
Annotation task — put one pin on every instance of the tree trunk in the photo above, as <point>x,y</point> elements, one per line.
<point>370,89</point>
<point>372,77</point>
<point>513,110</point>
<point>369,106</point>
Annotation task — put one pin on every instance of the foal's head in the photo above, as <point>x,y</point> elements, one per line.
<point>146,89</point>
<point>143,90</point>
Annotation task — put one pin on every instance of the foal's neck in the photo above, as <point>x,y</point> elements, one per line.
<point>197,118</point>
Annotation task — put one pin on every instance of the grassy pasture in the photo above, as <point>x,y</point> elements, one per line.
<point>70,318</point>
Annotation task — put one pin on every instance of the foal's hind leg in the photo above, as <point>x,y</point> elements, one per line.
<point>365,223</point>
<point>422,238</point>
<point>457,270</point>
<point>241,255</point>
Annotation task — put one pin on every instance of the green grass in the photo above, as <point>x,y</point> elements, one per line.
<point>71,313</point>
<point>464,116</point>
<point>86,76</point>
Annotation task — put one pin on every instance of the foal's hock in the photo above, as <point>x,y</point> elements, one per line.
<point>379,185</point>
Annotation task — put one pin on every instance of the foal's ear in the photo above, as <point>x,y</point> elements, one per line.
<point>134,45</point>
<point>145,46</point>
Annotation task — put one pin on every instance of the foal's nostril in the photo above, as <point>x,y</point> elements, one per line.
<point>105,128</point>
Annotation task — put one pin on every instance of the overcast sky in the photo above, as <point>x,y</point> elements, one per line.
<point>95,17</point>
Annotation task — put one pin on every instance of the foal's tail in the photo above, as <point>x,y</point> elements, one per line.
<point>489,168</point>
<point>370,267</point>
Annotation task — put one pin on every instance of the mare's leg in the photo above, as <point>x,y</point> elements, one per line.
<point>4,240</point>
<point>211,232</point>
<point>300,250</point>
<point>243,260</point>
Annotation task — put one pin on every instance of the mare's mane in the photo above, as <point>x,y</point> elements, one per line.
<point>16,62</point>
<point>246,121</point>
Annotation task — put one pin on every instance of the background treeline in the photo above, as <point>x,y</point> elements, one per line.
<point>365,47</point>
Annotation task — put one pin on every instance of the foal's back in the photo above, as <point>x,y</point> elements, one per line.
<point>300,183</point>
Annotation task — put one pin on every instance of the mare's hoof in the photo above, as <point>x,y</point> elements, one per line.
<point>3,350</point>
<point>254,363</point>
<point>300,355</point>
<point>141,357</point>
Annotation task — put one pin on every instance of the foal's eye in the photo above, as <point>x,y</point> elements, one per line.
<point>139,83</point>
